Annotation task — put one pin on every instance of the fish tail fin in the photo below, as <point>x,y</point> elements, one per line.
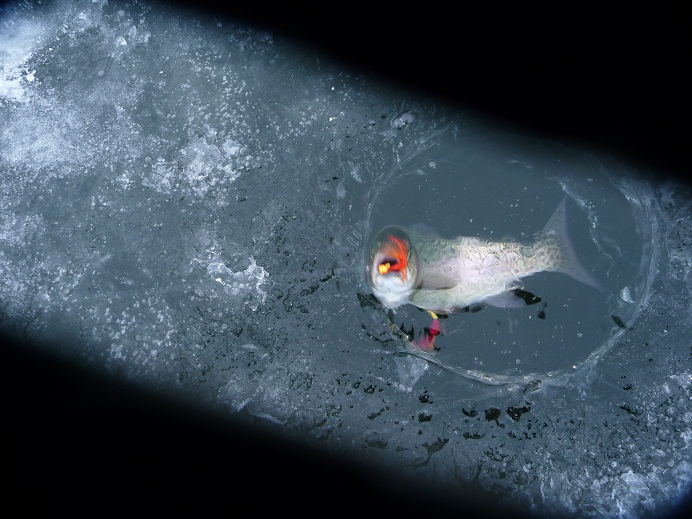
<point>555,237</point>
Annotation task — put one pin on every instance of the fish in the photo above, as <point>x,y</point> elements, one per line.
<point>415,265</point>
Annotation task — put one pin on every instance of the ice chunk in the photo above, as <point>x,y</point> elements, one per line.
<point>626,295</point>
<point>247,282</point>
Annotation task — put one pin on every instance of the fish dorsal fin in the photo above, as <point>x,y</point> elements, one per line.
<point>424,230</point>
<point>471,241</point>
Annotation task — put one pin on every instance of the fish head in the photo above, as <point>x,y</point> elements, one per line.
<point>392,267</point>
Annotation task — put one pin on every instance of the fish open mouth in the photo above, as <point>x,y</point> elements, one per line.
<point>390,252</point>
<point>395,255</point>
<point>387,265</point>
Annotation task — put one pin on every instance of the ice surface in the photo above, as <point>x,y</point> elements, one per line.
<point>187,204</point>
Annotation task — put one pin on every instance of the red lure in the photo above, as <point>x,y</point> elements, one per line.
<point>426,341</point>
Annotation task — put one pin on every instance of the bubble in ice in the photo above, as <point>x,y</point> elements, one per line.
<point>533,385</point>
<point>402,120</point>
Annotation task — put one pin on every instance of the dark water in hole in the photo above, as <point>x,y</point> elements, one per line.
<point>487,188</point>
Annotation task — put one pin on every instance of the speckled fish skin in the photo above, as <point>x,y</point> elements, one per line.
<point>447,275</point>
<point>483,269</point>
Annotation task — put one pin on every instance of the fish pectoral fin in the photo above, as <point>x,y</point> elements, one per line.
<point>434,313</point>
<point>505,300</point>
<point>437,280</point>
<point>424,230</point>
<point>476,307</point>
<point>528,297</point>
<point>472,308</point>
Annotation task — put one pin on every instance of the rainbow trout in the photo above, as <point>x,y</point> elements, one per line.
<point>445,276</point>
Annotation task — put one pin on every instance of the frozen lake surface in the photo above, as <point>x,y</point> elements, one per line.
<point>186,203</point>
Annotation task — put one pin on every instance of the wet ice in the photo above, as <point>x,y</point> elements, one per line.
<point>186,203</point>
